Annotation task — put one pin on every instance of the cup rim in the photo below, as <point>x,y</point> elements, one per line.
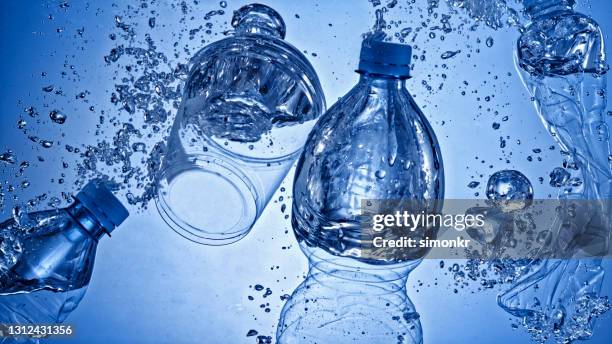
<point>201,235</point>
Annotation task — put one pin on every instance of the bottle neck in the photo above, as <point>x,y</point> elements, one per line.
<point>351,282</point>
<point>326,266</point>
<point>259,19</point>
<point>382,81</point>
<point>331,275</point>
<point>257,29</point>
<point>86,220</point>
<point>538,8</point>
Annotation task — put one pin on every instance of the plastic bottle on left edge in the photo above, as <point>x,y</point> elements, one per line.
<point>47,257</point>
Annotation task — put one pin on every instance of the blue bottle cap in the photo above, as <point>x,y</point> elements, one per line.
<point>101,202</point>
<point>385,58</point>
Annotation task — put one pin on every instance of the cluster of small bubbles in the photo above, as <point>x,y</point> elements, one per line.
<point>564,325</point>
<point>495,14</point>
<point>147,89</point>
<point>484,274</point>
<point>486,267</point>
<point>559,177</point>
<point>438,21</point>
<point>153,91</point>
<point>265,294</point>
<point>10,245</point>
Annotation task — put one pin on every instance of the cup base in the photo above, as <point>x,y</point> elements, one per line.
<point>207,200</point>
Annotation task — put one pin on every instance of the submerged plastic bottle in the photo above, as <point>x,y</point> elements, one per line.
<point>47,257</point>
<point>249,103</point>
<point>561,59</point>
<point>373,144</point>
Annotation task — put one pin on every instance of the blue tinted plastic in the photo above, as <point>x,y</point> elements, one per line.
<point>374,143</point>
<point>248,106</point>
<point>47,257</point>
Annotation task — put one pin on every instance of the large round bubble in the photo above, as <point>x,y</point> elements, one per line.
<point>511,188</point>
<point>509,185</point>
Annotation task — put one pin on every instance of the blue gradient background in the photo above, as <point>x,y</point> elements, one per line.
<point>149,284</point>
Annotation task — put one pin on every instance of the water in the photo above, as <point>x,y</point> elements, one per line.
<point>495,14</point>
<point>47,257</point>
<point>558,300</point>
<point>240,127</point>
<point>561,60</point>
<point>131,168</point>
<point>374,143</point>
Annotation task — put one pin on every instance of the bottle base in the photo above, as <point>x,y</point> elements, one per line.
<point>207,200</point>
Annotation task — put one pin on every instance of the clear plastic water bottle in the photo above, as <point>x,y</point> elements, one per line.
<point>373,144</point>
<point>561,59</point>
<point>249,103</point>
<point>47,257</point>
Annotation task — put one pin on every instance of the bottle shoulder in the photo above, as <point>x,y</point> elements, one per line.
<point>256,46</point>
<point>371,146</point>
<point>365,106</point>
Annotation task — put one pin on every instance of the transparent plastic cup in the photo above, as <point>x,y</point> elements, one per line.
<point>248,106</point>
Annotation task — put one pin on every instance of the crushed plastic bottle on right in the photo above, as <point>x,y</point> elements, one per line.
<point>561,59</point>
